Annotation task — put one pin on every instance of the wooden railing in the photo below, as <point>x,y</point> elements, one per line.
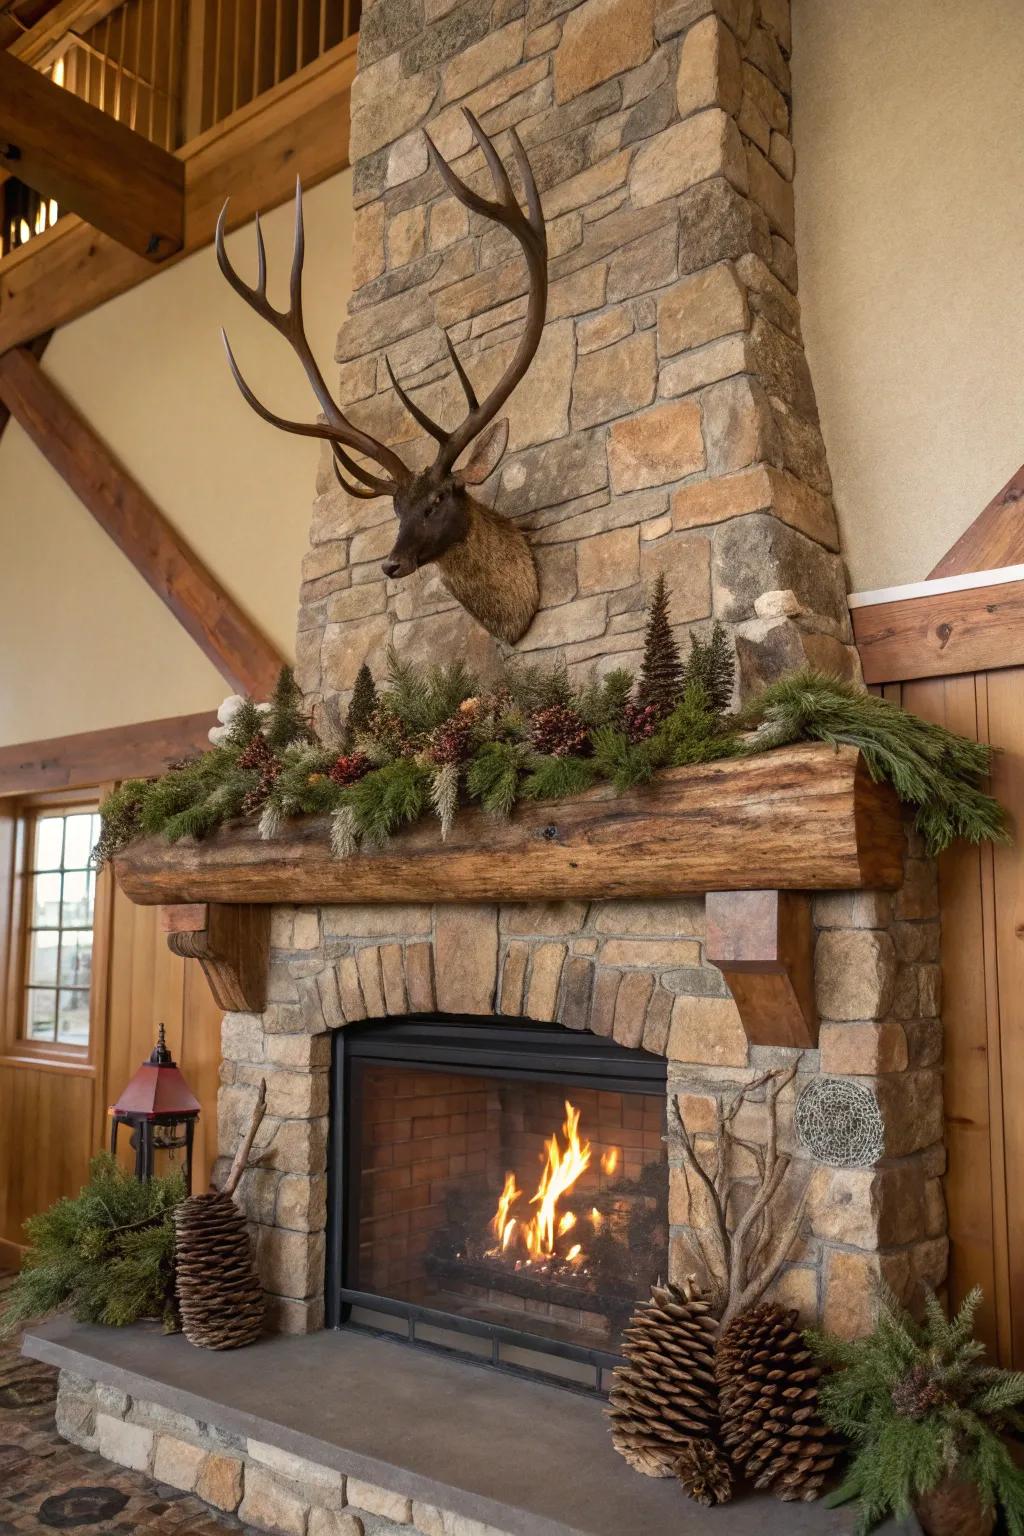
<point>172,70</point>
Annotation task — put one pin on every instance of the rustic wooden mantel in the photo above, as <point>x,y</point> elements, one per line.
<point>793,821</point>
<point>804,818</point>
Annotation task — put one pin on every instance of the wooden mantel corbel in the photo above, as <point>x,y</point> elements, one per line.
<point>763,944</point>
<point>231,943</point>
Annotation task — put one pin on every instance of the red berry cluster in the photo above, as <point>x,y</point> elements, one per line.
<point>641,721</point>
<point>559,731</point>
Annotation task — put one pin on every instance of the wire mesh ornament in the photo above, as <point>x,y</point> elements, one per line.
<point>839,1123</point>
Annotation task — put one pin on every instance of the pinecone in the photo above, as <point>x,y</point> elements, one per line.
<point>450,741</point>
<point>258,756</point>
<point>704,1472</point>
<point>664,1396</point>
<point>641,722</point>
<point>559,731</point>
<point>218,1290</point>
<point>768,1399</point>
<point>350,768</point>
<point>916,1394</point>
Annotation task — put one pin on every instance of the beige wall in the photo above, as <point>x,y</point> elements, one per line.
<point>909,187</point>
<point>84,643</point>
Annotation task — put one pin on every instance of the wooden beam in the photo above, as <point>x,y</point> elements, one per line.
<point>974,629</point>
<point>67,149</point>
<point>37,348</point>
<point>140,751</point>
<point>301,128</point>
<point>231,943</point>
<point>763,944</point>
<point>224,634</point>
<point>803,818</point>
<point>995,538</point>
<point>44,42</point>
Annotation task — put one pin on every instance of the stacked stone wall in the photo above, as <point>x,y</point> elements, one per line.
<point>668,421</point>
<point>634,972</point>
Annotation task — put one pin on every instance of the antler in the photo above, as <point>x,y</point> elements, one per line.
<point>529,230</point>
<point>337,429</point>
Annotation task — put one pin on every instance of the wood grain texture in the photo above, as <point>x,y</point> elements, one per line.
<point>803,818</point>
<point>299,129</point>
<point>995,538</point>
<point>67,149</point>
<point>37,348</point>
<point>137,751</point>
<point>937,636</point>
<point>202,606</point>
<point>763,944</point>
<point>232,945</point>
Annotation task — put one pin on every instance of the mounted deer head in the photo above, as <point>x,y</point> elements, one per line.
<point>484,559</point>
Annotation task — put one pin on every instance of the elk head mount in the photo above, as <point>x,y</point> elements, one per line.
<point>485,561</point>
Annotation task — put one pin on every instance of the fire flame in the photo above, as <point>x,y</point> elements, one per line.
<point>562,1167</point>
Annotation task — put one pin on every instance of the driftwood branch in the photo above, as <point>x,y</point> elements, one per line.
<point>747,1254</point>
<point>241,1161</point>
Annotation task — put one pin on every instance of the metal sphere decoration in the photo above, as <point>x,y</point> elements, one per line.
<point>839,1122</point>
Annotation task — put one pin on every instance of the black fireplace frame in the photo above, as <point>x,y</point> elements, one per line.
<point>516,1048</point>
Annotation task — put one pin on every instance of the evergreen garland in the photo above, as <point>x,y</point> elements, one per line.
<point>919,1405</point>
<point>662,674</point>
<point>109,1252</point>
<point>433,739</point>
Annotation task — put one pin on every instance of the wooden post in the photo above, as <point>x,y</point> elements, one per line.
<point>763,944</point>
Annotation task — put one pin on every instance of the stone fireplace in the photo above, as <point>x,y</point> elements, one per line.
<point>422,1049</point>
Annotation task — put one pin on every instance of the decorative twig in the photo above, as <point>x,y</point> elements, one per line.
<point>240,1163</point>
<point>748,1255</point>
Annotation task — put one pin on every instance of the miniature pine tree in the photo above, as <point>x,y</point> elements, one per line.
<point>285,720</point>
<point>361,707</point>
<point>712,664</point>
<point>662,672</point>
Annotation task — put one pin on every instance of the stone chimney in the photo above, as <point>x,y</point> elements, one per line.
<point>668,421</point>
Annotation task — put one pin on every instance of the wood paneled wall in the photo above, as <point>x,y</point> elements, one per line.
<point>52,1119</point>
<point>982,899</point>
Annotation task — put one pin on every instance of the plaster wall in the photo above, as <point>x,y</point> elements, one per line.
<point>909,168</point>
<point>84,643</point>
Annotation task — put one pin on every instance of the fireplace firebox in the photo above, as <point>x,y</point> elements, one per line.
<point>499,1189</point>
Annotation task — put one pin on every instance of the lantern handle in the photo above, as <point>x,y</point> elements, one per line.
<point>238,1167</point>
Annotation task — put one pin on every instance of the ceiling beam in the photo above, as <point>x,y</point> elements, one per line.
<point>44,42</point>
<point>225,635</point>
<point>37,348</point>
<point>940,633</point>
<point>135,751</point>
<point>994,539</point>
<point>301,128</point>
<point>66,149</point>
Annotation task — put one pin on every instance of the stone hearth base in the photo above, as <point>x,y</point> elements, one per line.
<point>342,1434</point>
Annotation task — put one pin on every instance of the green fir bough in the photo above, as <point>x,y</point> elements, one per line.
<point>919,1405</point>
<point>108,1253</point>
<point>433,739</point>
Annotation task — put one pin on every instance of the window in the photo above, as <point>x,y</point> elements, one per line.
<point>59,903</point>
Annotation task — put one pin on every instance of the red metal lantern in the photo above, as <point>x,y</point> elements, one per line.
<point>162,1111</point>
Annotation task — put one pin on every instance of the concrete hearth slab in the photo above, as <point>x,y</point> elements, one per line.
<point>530,1459</point>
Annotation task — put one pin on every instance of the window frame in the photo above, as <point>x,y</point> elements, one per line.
<point>21,816</point>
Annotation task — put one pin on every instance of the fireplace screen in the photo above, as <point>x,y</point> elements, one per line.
<point>507,1183</point>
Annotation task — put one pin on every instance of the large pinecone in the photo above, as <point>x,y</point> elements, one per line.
<point>704,1472</point>
<point>559,730</point>
<point>768,1400</point>
<point>218,1290</point>
<point>664,1396</point>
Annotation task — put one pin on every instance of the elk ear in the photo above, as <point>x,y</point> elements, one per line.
<point>487,451</point>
